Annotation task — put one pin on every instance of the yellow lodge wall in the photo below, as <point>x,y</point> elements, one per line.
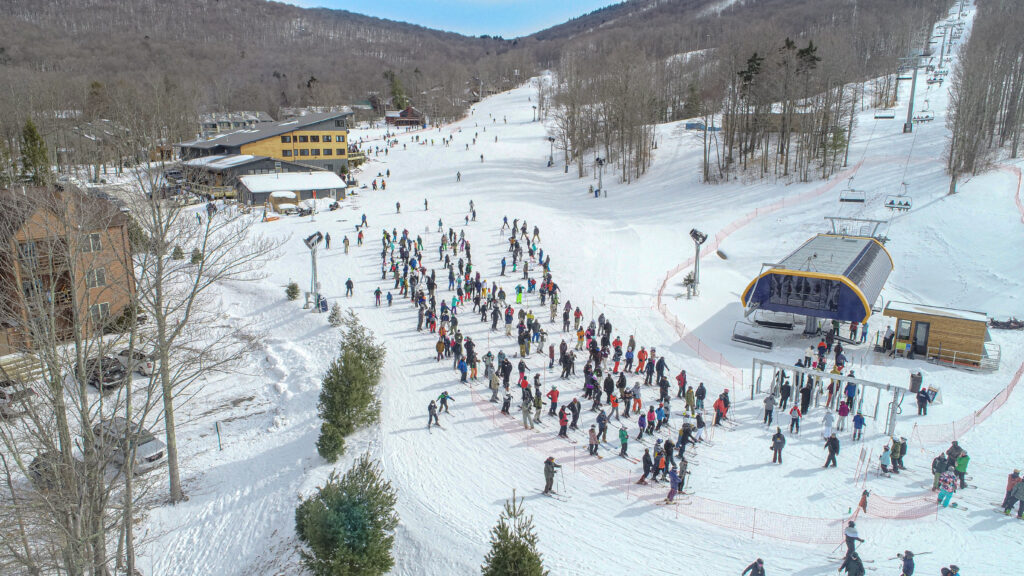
<point>294,150</point>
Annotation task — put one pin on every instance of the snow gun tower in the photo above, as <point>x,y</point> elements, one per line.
<point>834,276</point>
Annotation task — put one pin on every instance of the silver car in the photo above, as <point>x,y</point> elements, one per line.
<point>150,452</point>
<point>136,360</point>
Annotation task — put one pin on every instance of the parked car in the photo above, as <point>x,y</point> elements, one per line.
<point>104,373</point>
<point>13,398</point>
<point>150,452</point>
<point>44,470</point>
<point>137,360</point>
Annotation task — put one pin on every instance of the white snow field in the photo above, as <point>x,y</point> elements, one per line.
<point>610,255</point>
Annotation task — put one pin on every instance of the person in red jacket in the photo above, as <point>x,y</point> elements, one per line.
<point>720,410</point>
<point>1012,480</point>
<point>641,358</point>
<point>563,423</point>
<point>553,396</point>
<point>681,383</point>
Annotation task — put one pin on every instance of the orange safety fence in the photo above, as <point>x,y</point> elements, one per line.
<point>705,352</point>
<point>914,508</point>
<point>940,433</point>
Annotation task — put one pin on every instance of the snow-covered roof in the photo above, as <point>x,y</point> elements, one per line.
<point>936,311</point>
<point>293,181</point>
<point>282,194</point>
<point>221,161</point>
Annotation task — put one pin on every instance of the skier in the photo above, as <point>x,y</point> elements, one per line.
<point>756,568</point>
<point>624,441</point>
<point>851,537</point>
<point>443,399</point>
<point>961,468</point>
<point>458,176</point>
<point>832,445</point>
<point>778,443</point>
<point>563,423</point>
<point>908,563</point>
<point>592,445</point>
<point>648,465</point>
<point>827,421</point>
<point>858,425</point>
<point>398,207</point>
<point>376,296</point>
<point>553,396</point>
<point>923,399</point>
<point>673,483</point>
<point>794,419</point>
<point>549,473</point>
<point>885,459</point>
<point>939,465</point>
<point>1015,495</point>
<point>432,414</point>
<point>527,421</point>
<point>348,287</point>
<point>769,409</point>
<point>947,485</point>
<point>853,565</point>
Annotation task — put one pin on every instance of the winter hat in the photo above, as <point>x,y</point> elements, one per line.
<point>908,553</point>
<point>592,426</point>
<point>851,524</point>
<point>950,469</point>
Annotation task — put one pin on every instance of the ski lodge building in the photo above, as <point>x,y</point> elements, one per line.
<point>318,140</point>
<point>832,276</point>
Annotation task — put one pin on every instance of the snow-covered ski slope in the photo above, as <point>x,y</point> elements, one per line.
<point>608,255</point>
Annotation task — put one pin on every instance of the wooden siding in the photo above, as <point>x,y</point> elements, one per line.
<point>275,148</point>
<point>953,334</point>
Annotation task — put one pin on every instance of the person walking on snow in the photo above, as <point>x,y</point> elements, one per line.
<point>549,473</point>
<point>348,287</point>
<point>376,297</point>
<point>778,443</point>
<point>769,409</point>
<point>624,441</point>
<point>832,445</point>
<point>794,419</point>
<point>827,421</point>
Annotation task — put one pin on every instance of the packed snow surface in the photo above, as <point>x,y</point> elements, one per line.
<point>610,255</point>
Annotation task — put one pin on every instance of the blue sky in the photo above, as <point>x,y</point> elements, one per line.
<point>507,18</point>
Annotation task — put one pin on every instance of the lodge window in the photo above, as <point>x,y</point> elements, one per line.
<point>328,151</point>
<point>339,123</point>
<point>303,152</point>
<point>92,243</point>
<point>286,139</point>
<point>96,277</point>
<point>314,138</point>
<point>315,151</point>
<point>286,153</point>
<point>903,330</point>
<point>340,138</point>
<point>327,137</point>
<point>303,138</point>
<point>27,250</point>
<point>341,151</point>
<point>99,312</point>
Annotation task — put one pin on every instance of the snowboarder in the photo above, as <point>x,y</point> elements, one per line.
<point>778,443</point>
<point>549,473</point>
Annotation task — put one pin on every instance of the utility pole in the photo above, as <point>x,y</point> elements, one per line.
<point>312,242</point>
<point>600,173</point>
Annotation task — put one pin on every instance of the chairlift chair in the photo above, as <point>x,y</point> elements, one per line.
<point>899,203</point>
<point>885,113</point>
<point>852,196</point>
<point>774,320</point>
<point>743,333</point>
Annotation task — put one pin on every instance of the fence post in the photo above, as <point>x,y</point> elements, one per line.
<point>629,482</point>
<point>753,524</point>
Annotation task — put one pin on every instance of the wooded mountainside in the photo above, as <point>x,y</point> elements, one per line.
<point>620,68</point>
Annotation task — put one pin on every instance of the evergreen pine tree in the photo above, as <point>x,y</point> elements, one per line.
<point>513,544</point>
<point>334,318</point>
<point>292,291</point>
<point>177,253</point>
<point>35,163</point>
<point>347,399</point>
<point>197,256</point>
<point>348,526</point>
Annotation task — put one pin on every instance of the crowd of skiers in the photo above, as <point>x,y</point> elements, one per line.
<point>608,361</point>
<point>608,364</point>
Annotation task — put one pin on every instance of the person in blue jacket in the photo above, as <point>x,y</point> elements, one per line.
<point>673,479</point>
<point>908,563</point>
<point>756,568</point>
<point>858,425</point>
